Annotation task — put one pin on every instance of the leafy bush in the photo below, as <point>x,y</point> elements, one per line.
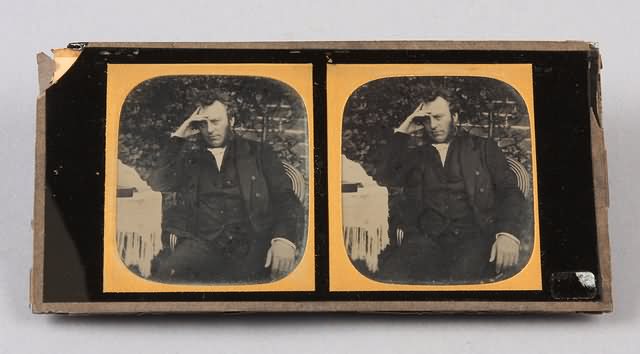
<point>156,107</point>
<point>488,107</point>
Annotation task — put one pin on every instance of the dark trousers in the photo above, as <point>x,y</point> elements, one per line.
<point>222,260</point>
<point>459,257</point>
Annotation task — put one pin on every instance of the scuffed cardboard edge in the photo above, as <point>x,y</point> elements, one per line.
<point>46,67</point>
<point>354,45</point>
<point>600,180</point>
<point>380,307</point>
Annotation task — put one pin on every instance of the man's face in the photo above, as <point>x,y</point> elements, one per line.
<point>439,123</point>
<point>216,127</point>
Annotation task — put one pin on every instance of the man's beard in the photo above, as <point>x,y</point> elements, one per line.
<point>453,131</point>
<point>228,134</point>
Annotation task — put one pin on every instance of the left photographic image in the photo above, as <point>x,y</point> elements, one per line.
<point>210,178</point>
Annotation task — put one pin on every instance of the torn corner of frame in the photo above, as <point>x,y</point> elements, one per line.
<point>51,70</point>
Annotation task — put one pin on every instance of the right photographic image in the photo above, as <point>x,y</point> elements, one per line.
<point>437,181</point>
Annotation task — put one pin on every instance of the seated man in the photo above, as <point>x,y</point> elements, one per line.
<point>461,207</point>
<point>236,213</point>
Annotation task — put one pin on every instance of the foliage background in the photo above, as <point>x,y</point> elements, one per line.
<point>377,107</point>
<point>156,107</point>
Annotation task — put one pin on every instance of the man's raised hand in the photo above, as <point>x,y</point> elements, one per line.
<point>409,126</point>
<point>187,128</point>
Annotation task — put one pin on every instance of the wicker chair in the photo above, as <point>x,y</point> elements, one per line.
<point>297,180</point>
<point>522,176</point>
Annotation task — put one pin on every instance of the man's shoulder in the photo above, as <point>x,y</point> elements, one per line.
<point>474,141</point>
<point>469,136</point>
<point>247,145</point>
<point>250,147</point>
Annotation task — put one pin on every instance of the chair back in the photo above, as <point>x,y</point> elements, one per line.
<point>297,180</point>
<point>522,176</point>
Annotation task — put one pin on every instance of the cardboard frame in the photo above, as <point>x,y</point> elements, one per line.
<point>601,199</point>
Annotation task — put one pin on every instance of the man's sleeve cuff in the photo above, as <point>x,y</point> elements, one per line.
<point>284,240</point>
<point>177,140</point>
<point>506,234</point>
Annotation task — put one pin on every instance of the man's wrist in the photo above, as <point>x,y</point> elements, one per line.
<point>175,144</point>
<point>177,135</point>
<point>285,241</point>
<point>508,235</point>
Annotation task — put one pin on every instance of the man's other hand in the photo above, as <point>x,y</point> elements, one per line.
<point>505,251</point>
<point>280,257</point>
<point>187,128</point>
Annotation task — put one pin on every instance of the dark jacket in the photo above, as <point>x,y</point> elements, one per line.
<point>270,202</point>
<point>491,187</point>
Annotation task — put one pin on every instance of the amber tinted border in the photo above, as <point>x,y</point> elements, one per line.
<point>121,80</point>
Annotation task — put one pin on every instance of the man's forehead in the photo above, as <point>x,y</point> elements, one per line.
<point>438,105</point>
<point>216,110</point>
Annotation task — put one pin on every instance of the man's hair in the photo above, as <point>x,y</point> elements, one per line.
<point>447,94</point>
<point>224,98</point>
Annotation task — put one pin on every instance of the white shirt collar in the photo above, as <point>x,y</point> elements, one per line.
<point>442,151</point>
<point>218,155</point>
